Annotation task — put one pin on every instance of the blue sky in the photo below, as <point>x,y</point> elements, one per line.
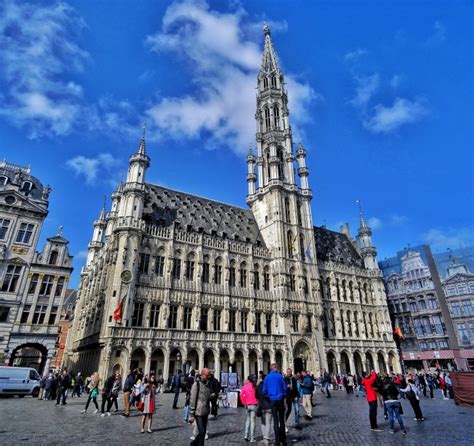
<point>380,94</point>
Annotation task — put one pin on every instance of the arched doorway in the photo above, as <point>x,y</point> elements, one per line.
<point>301,357</point>
<point>224,360</point>
<point>138,359</point>
<point>345,364</point>
<point>157,362</point>
<point>369,362</point>
<point>381,362</point>
<point>192,361</point>
<point>332,365</point>
<point>279,359</point>
<point>266,361</point>
<point>29,355</point>
<point>392,366</point>
<point>358,363</point>
<point>239,366</point>
<point>209,361</point>
<point>253,363</point>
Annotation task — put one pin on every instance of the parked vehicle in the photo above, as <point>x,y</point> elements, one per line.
<point>19,381</point>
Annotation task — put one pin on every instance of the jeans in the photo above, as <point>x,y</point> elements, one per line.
<point>186,413</point>
<point>93,399</point>
<point>176,397</point>
<point>373,414</point>
<point>296,410</point>
<point>62,394</point>
<point>326,389</point>
<point>250,422</point>
<point>266,424</point>
<point>201,422</point>
<point>393,409</point>
<point>214,407</point>
<point>278,415</point>
<point>47,394</point>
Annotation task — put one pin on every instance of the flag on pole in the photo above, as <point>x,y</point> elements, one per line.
<point>399,333</point>
<point>118,311</point>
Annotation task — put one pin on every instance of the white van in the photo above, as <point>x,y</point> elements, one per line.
<point>19,381</point>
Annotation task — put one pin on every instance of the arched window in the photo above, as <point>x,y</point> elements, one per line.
<point>53,257</point>
<point>3,180</point>
<point>280,164</point>
<point>276,117</point>
<point>302,247</point>
<point>269,176</point>
<point>290,241</point>
<point>265,82</point>
<point>287,210</point>
<point>274,82</point>
<point>267,118</point>
<point>298,211</point>
<point>338,290</point>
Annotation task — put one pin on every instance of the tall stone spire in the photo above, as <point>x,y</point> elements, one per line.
<point>362,222</point>
<point>364,239</point>
<point>269,60</point>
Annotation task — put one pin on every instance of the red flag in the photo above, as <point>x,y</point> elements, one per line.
<point>118,311</point>
<point>399,333</point>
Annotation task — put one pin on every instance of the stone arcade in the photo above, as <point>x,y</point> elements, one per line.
<point>202,283</point>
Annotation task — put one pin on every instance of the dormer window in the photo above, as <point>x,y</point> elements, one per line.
<point>3,180</point>
<point>27,186</point>
<point>53,257</point>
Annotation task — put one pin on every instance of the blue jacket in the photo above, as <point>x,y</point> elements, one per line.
<point>274,386</point>
<point>307,385</point>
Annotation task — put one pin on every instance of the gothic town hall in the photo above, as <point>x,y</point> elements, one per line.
<point>177,281</point>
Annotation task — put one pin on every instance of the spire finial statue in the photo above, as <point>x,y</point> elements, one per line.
<point>266,29</point>
<point>60,230</point>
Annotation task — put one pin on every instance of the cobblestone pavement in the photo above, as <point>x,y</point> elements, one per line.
<point>341,420</point>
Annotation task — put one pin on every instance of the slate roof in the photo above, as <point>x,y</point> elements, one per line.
<point>37,189</point>
<point>334,246</point>
<point>165,207</point>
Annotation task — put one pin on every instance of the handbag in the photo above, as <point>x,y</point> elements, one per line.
<point>141,406</point>
<point>259,410</point>
<point>94,393</point>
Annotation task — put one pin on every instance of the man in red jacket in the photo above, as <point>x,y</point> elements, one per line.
<point>368,382</point>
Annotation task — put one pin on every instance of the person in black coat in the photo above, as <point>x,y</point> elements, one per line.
<point>63,386</point>
<point>176,386</point>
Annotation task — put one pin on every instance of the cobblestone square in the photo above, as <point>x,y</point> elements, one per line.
<point>341,420</point>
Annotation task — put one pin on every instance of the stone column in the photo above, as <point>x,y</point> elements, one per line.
<point>147,362</point>
<point>246,366</point>
<point>351,363</point>
<point>260,361</point>
<point>201,359</point>
<point>166,367</point>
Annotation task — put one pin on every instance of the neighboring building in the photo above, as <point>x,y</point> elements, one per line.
<point>32,284</point>
<point>173,280</point>
<point>419,306</point>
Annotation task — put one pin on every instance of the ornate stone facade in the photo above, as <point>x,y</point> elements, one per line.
<point>201,283</point>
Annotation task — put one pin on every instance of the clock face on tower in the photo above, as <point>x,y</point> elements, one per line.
<point>126,276</point>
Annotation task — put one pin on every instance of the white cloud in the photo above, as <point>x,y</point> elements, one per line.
<point>353,56</point>
<point>366,87</point>
<point>81,255</point>
<point>90,168</point>
<point>396,80</point>
<point>387,119</point>
<point>374,223</point>
<point>441,239</point>
<point>398,220</point>
<point>224,63</point>
<point>38,53</point>
<point>438,35</point>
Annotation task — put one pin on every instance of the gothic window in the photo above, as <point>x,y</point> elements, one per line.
<point>287,210</point>
<point>25,232</point>
<point>59,287</point>
<point>280,164</point>
<point>328,288</point>
<point>154,316</point>
<point>11,278</point>
<point>232,275</point>
<point>356,324</point>
<point>295,322</point>
<point>422,304</point>
<point>4,224</point>
<point>144,263</point>
<point>46,285</point>
<point>232,317</point>
<point>266,279</point>
<point>351,292</point>
<point>25,314</point>
<point>159,265</point>
<point>52,316</point>
<point>137,316</point>
<point>205,270</point>
<point>310,324</point>
<point>268,323</point>
<point>344,291</point>
<point>53,257</point>
<point>292,280</point>
<point>338,290</point>
<point>176,272</point>
<point>321,288</point>
<point>39,314</point>
<point>427,325</point>
<point>366,296</point>
<point>432,304</point>
<point>217,271</point>
<point>217,320</point>
<point>243,321</point>
<point>456,308</point>
<point>371,325</point>
<point>274,82</point>
<point>258,322</point>
<point>265,82</point>
<point>298,212</point>
<point>276,117</point>
<point>204,319</point>
<point>243,275</point>
<point>189,269</point>
<point>305,283</point>
<point>349,326</point>
<point>266,112</point>
<point>467,308</point>
<point>343,325</point>
<point>33,283</point>
<point>325,325</point>
<point>187,313</point>
<point>333,323</point>
<point>256,278</point>
<point>418,327</point>
<point>290,241</point>
<point>173,317</point>
<point>302,253</point>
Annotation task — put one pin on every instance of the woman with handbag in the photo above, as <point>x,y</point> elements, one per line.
<point>147,403</point>
<point>413,394</point>
<point>93,392</point>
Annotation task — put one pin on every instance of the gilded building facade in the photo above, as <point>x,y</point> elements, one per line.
<point>194,282</point>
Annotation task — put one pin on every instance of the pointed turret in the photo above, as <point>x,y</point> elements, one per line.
<point>251,177</point>
<point>138,163</point>
<point>97,237</point>
<point>364,239</point>
<point>269,60</point>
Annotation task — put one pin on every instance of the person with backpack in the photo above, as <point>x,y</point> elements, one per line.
<point>200,406</point>
<point>393,405</point>
<point>189,384</point>
<point>94,383</point>
<point>63,386</point>
<point>114,393</point>
<point>413,394</point>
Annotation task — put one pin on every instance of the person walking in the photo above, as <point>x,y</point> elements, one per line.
<point>106,393</point>
<point>189,384</point>
<point>264,410</point>
<point>117,386</point>
<point>127,390</point>
<point>93,392</point>
<point>148,402</point>
<point>431,385</point>
<point>200,406</point>
<point>215,390</point>
<point>292,399</point>
<point>48,384</point>
<point>176,386</point>
<point>449,385</point>
<point>42,384</point>
<point>371,396</point>
<point>63,386</point>
<point>413,394</point>
<point>350,384</point>
<point>393,405</point>
<point>274,388</point>
<point>79,384</point>
<point>326,382</point>
<point>248,398</point>
<point>307,387</point>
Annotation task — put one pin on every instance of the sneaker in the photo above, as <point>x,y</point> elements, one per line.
<point>391,431</point>
<point>192,437</point>
<point>286,429</point>
<point>109,414</point>
<point>206,436</point>
<point>102,415</point>
<point>415,419</point>
<point>422,419</point>
<point>84,411</point>
<point>95,411</point>
<point>404,432</point>
<point>246,439</point>
<point>376,430</point>
<point>116,410</point>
